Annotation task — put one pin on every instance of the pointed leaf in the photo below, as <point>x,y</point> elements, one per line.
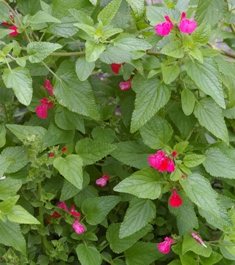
<point>84,68</point>
<point>137,6</point>
<point>82,17</point>
<point>202,33</point>
<point>108,13</point>
<point>44,17</point>
<point>88,255</point>
<point>19,215</point>
<point>188,101</point>
<point>9,187</point>
<point>193,160</point>
<point>93,50</point>
<point>173,49</point>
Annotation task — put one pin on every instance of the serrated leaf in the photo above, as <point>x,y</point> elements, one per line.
<point>20,81</point>
<point>84,194</point>
<point>10,235</point>
<point>4,164</point>
<point>9,187</point>
<point>169,73</point>
<point>81,17</point>
<point>92,151</point>
<point>66,28</point>
<point>137,6</point>
<point>207,77</point>
<point>197,54</point>
<point>93,50</point>
<point>187,101</point>
<point>218,164</point>
<point>142,254</point>
<point>70,168</point>
<point>7,205</point>
<point>118,244</point>
<point>173,49</point>
<point>44,17</point>
<point>210,116</point>
<point>70,92</point>
<point>193,160</point>
<point>107,14</point>
<point>106,135</point>
<point>115,55</point>
<point>213,259</point>
<point>151,95</point>
<point>156,132</point>
<point>19,215</point>
<point>202,33</point>
<point>90,30</point>
<point>143,184</point>
<point>133,154</point>
<point>88,255</point>
<point>38,51</point>
<point>139,213</point>
<point>110,32</point>
<point>96,209</point>
<point>84,68</point>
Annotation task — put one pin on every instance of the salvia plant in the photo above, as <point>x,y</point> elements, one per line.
<point>117,122</point>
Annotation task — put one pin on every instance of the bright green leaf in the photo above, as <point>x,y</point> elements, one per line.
<point>44,17</point>
<point>88,255</point>
<point>170,73</point>
<point>82,17</point>
<point>19,215</point>
<point>137,6</point>
<point>115,55</point>
<point>84,68</point>
<point>7,205</point>
<point>173,49</point>
<point>202,33</point>
<point>193,160</point>
<point>188,101</point>
<point>93,50</point>
<point>9,187</point>
<point>109,11</point>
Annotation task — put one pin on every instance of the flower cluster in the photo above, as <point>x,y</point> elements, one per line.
<point>175,200</point>
<point>161,162</point>
<point>165,246</point>
<point>186,26</point>
<point>125,85</point>
<point>103,180</point>
<point>77,226</point>
<point>13,29</point>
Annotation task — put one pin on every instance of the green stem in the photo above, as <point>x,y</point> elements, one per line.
<point>6,112</point>
<point>110,262</point>
<point>67,53</point>
<point>229,54</point>
<point>49,69</point>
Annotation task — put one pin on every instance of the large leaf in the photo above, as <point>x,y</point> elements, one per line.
<point>38,51</point>
<point>84,68</point>
<point>82,17</point>
<point>9,187</point>
<point>202,33</point>
<point>66,28</point>
<point>19,215</point>
<point>210,116</point>
<point>137,6</point>
<point>88,255</point>
<point>143,184</point>
<point>108,13</point>
<point>207,77</point>
<point>138,215</point>
<point>151,95</point>
<point>44,17</point>
<point>96,209</point>
<point>70,92</point>
<point>70,168</point>
<point>173,49</point>
<point>92,151</point>
<point>20,81</point>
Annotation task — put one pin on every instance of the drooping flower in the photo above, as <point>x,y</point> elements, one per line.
<point>14,31</point>
<point>78,227</point>
<point>74,212</point>
<point>63,206</point>
<point>163,29</point>
<point>41,110</point>
<point>161,162</point>
<point>103,180</point>
<point>49,87</point>
<point>187,26</point>
<point>165,246</point>
<point>47,103</point>
<point>175,200</point>
<point>125,85</point>
<point>116,67</point>
<point>198,239</point>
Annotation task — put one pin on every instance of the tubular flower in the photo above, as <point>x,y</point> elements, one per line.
<point>175,200</point>
<point>116,67</point>
<point>187,26</point>
<point>199,240</point>
<point>165,246</point>
<point>164,28</point>
<point>125,85</point>
<point>74,212</point>
<point>49,87</point>
<point>161,162</point>
<point>41,110</point>
<point>103,180</point>
<point>78,227</point>
<point>14,31</point>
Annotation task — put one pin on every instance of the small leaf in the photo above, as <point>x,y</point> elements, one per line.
<point>137,6</point>
<point>84,68</point>
<point>107,14</point>
<point>44,17</point>
<point>88,255</point>
<point>93,50</point>
<point>188,101</point>
<point>70,168</point>
<point>193,160</point>
<point>82,17</point>
<point>202,33</point>
<point>9,187</point>
<point>173,49</point>
<point>169,73</point>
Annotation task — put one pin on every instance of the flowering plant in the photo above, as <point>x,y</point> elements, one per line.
<point>117,132</point>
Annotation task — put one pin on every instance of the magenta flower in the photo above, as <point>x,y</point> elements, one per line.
<point>164,28</point>
<point>187,26</point>
<point>125,85</point>
<point>198,239</point>
<point>175,200</point>
<point>13,30</point>
<point>161,162</point>
<point>165,246</point>
<point>116,67</point>
<point>63,206</point>
<point>74,212</point>
<point>78,227</point>
<point>103,180</point>
<point>49,87</point>
<point>170,166</point>
<point>41,110</point>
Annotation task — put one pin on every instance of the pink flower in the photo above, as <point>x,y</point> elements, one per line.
<point>198,239</point>
<point>165,246</point>
<point>51,154</point>
<point>175,200</point>
<point>103,180</point>
<point>64,149</point>
<point>116,67</point>
<point>5,23</point>
<point>41,111</point>
<point>164,28</point>
<point>125,85</point>
<point>78,227</point>
<point>13,30</point>
<point>170,166</point>
<point>174,154</point>
<point>161,162</point>
<point>187,26</point>
<point>48,104</point>
<point>74,212</point>
<point>63,206</point>
<point>49,87</point>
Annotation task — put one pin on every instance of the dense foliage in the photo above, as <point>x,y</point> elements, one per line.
<point>117,123</point>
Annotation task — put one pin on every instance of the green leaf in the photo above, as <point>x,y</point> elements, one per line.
<point>170,73</point>
<point>187,259</point>
<point>213,259</point>
<point>156,132</point>
<point>187,101</point>
<point>90,30</point>
<point>4,12</point>
<point>210,11</point>
<point>92,151</point>
<point>20,81</point>
<point>44,17</point>
<point>66,28</point>
<point>4,164</point>
<point>138,215</point>
<point>129,42</point>
<point>10,235</point>
<point>4,32</point>
<point>70,168</point>
<point>9,187</point>
<point>70,92</point>
<point>97,208</point>
<point>84,68</point>
<point>191,244</point>
<point>218,164</point>
<point>143,184</point>
<point>93,50</point>
<point>38,51</point>
<point>118,244</point>
<point>155,95</point>
<point>173,49</point>
<point>108,13</point>
<point>88,255</point>
<point>193,160</point>
<point>7,205</point>
<point>142,254</point>
<point>19,215</point>
<point>207,77</point>
<point>110,32</point>
<point>133,154</point>
<point>68,191</point>
<point>197,54</point>
<point>106,135</point>
<point>137,6</point>
<point>202,33</point>
<point>82,17</point>
<point>114,54</point>
<point>210,116</point>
